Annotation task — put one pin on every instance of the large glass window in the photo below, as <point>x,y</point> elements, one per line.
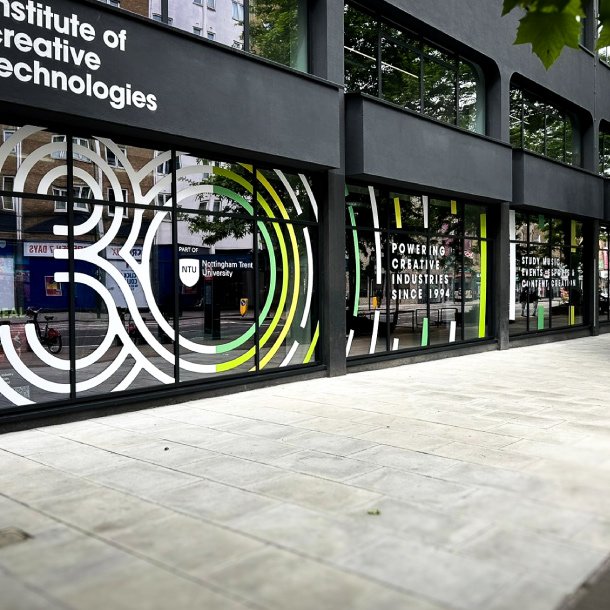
<point>128,289</point>
<point>546,273</point>
<point>399,66</point>
<point>273,29</point>
<point>540,127</point>
<point>603,289</point>
<point>417,271</point>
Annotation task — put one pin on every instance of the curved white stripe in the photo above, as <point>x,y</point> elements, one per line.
<point>375,331</point>
<point>377,236</point>
<point>309,277</point>
<point>32,159</point>
<point>12,395</point>
<point>290,354</point>
<point>290,191</point>
<point>23,370</point>
<point>129,379</point>
<point>312,199</point>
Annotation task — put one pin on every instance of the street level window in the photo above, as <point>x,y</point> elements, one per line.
<point>541,127</point>
<point>399,66</point>
<point>546,273</point>
<point>603,289</point>
<point>417,272</point>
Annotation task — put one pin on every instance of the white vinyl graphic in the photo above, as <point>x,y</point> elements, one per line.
<point>135,333</point>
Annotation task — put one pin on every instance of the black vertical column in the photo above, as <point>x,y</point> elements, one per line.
<point>590,266</point>
<point>326,61</point>
<point>71,285</point>
<point>500,271</point>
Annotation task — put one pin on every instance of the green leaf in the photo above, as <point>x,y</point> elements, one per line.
<point>548,33</point>
<point>509,5</point>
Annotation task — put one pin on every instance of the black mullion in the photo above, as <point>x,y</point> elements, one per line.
<point>175,261</point>
<point>256,270</point>
<point>421,78</point>
<point>427,288</point>
<point>71,266</point>
<point>246,25</point>
<point>165,11</point>
<point>546,114</point>
<point>387,269</point>
<point>457,91</point>
<point>462,288</point>
<point>379,59</point>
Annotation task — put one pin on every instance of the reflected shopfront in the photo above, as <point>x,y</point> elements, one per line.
<point>417,271</point>
<point>546,273</point>
<point>130,252</point>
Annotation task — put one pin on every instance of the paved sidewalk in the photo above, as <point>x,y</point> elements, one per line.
<point>472,483</point>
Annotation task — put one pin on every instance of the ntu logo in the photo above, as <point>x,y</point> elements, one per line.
<point>189,271</point>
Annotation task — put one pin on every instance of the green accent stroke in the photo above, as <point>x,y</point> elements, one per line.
<point>540,317</point>
<point>312,347</point>
<point>424,332</point>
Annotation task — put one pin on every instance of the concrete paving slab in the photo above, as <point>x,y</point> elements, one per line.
<point>380,490</point>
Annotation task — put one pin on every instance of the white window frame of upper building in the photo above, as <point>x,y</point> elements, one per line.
<point>159,18</point>
<point>112,3</point>
<point>61,154</point>
<point>8,202</point>
<point>211,4</point>
<point>109,197</point>
<point>166,165</point>
<point>113,160</point>
<point>77,190</point>
<point>238,9</point>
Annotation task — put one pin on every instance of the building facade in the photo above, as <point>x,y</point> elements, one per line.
<point>208,194</point>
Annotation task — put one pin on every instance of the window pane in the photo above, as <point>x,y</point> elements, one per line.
<point>278,31</point>
<point>533,126</point>
<point>365,292</point>
<point>555,124</point>
<point>400,75</point>
<point>445,259</point>
<point>408,211</point>
<point>467,99</point>
<point>408,300</point>
<point>440,91</point>
<point>360,51</point>
<point>516,106</point>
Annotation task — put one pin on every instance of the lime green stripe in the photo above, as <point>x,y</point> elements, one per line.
<point>540,317</point>
<point>453,206</point>
<point>312,347</point>
<point>573,235</point>
<point>571,321</point>
<point>223,192</point>
<point>357,259</point>
<point>297,271</point>
<point>225,366</point>
<point>483,306</point>
<point>227,173</point>
<point>397,211</point>
<point>424,332</point>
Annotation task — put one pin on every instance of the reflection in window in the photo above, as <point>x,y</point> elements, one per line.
<point>604,151</point>
<point>400,67</point>
<point>540,127</point>
<point>546,273</point>
<point>278,31</point>
<point>416,271</point>
<point>603,289</point>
